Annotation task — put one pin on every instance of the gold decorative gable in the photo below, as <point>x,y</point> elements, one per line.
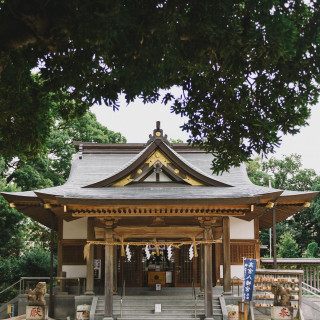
<point>157,157</point>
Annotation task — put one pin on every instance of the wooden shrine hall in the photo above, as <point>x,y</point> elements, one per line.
<point>154,213</point>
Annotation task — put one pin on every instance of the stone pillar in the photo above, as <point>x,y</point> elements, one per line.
<point>208,275</point>
<point>108,308</point>
<point>226,255</point>
<point>90,272</point>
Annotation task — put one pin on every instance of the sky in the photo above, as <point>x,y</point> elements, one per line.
<point>137,120</point>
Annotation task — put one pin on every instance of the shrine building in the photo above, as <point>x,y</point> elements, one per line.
<point>166,219</point>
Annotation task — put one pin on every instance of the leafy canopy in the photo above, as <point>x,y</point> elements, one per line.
<point>288,174</point>
<point>51,168</point>
<point>248,69</point>
<point>288,247</point>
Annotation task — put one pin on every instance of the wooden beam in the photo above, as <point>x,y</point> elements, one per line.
<point>226,255</point>
<point>112,211</point>
<point>108,286</point>
<point>146,232</point>
<point>90,272</point>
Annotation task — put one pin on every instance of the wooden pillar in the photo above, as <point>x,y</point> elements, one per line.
<point>208,275</point>
<point>217,258</point>
<point>51,306</point>
<point>90,272</point>
<point>257,239</point>
<point>115,269</point>
<point>108,287</point>
<point>60,238</point>
<point>226,254</point>
<point>274,235</point>
<point>202,267</point>
<point>60,248</point>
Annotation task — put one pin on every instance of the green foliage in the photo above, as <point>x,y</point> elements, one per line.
<point>248,69</point>
<point>287,173</point>
<point>11,222</point>
<point>9,273</point>
<point>52,168</point>
<point>24,243</point>
<point>255,173</point>
<point>312,250</point>
<point>34,262</point>
<point>288,247</point>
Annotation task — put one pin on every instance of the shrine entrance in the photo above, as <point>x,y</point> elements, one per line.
<point>170,268</point>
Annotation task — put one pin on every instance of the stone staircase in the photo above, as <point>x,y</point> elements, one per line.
<point>174,307</point>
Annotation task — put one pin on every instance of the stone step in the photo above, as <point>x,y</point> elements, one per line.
<point>158,317</point>
<point>166,304</point>
<point>173,308</point>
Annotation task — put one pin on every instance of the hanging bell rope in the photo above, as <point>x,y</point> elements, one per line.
<point>123,254</point>
<point>195,251</point>
<point>86,251</point>
<point>156,246</point>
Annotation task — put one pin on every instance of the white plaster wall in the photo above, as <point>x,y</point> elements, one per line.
<point>74,271</point>
<point>76,229</point>
<point>236,271</point>
<point>241,229</point>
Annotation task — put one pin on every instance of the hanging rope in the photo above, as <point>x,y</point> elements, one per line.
<point>175,244</point>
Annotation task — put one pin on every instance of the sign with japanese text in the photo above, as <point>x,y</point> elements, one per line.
<point>248,279</point>
<point>97,268</point>
<point>36,312</point>
<point>280,313</point>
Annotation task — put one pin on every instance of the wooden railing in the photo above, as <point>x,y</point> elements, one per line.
<point>310,266</point>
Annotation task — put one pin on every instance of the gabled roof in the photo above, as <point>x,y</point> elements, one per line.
<point>109,174</point>
<point>158,151</point>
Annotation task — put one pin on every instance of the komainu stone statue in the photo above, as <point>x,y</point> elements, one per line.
<point>36,296</point>
<point>281,296</point>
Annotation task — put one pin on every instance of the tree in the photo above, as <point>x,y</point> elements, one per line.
<point>287,174</point>
<point>34,261</point>
<point>312,250</point>
<point>255,173</point>
<point>248,69</point>
<point>11,225</point>
<point>288,247</point>
<point>50,169</point>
